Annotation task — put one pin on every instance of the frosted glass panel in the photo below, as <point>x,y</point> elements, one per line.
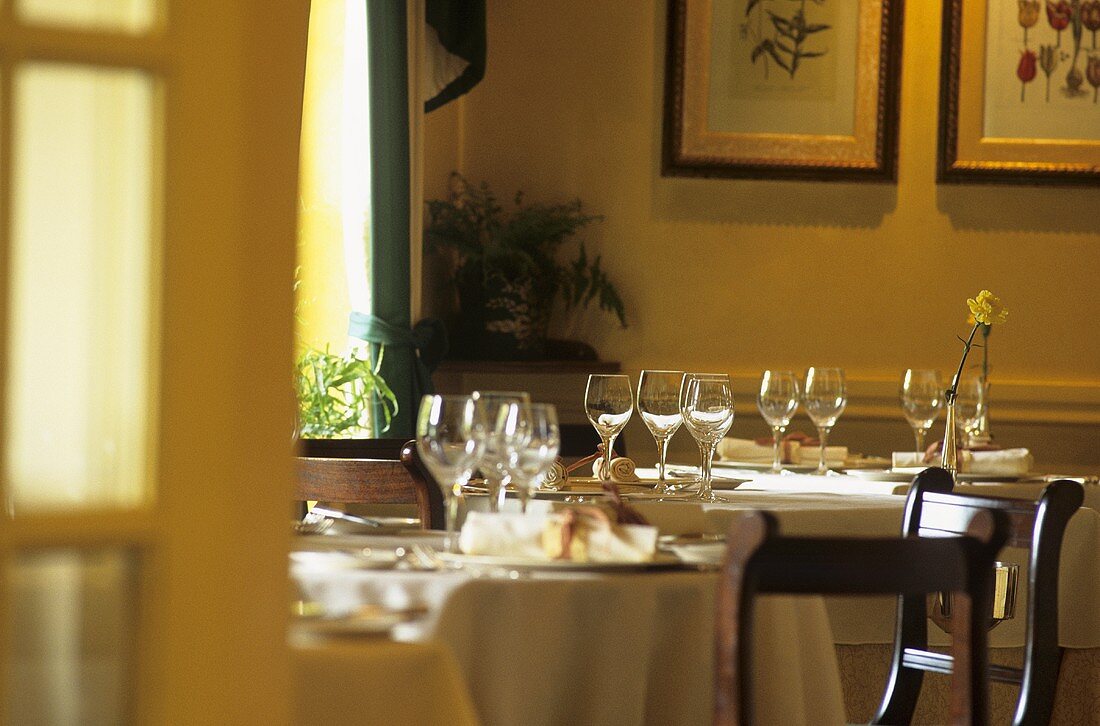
<point>70,659</point>
<point>79,371</point>
<point>131,16</point>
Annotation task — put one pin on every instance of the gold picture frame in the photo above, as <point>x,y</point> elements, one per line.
<point>781,89</point>
<point>1012,110</point>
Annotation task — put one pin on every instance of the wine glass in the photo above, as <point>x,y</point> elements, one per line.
<point>530,440</point>
<point>824,398</point>
<point>450,438</point>
<point>659,405</point>
<point>492,466</point>
<point>921,400</point>
<point>706,403</point>
<point>777,401</point>
<point>608,403</point>
<point>969,405</point>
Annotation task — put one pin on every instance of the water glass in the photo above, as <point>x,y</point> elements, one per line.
<point>777,401</point>
<point>608,403</point>
<point>969,405</point>
<point>450,438</point>
<point>659,406</point>
<point>921,400</point>
<point>706,404</point>
<point>492,466</point>
<point>530,440</point>
<point>824,398</point>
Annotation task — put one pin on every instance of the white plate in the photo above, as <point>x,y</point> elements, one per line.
<point>661,561</point>
<point>906,474</point>
<point>365,559</point>
<point>358,625</point>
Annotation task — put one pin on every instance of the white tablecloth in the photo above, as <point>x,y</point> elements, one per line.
<point>617,648</point>
<point>847,506</point>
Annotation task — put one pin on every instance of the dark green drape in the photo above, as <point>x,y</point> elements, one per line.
<point>389,321</point>
<point>460,25</point>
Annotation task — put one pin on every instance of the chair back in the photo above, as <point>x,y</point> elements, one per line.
<point>932,510</point>
<point>758,560</point>
<point>369,471</point>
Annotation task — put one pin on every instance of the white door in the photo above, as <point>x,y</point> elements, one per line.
<point>148,177</point>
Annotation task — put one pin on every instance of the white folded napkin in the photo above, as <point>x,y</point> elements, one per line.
<point>1000,462</point>
<point>747,450</point>
<point>1004,462</point>
<point>503,534</point>
<point>539,536</point>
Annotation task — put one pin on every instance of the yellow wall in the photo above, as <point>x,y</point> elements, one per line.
<point>740,275</point>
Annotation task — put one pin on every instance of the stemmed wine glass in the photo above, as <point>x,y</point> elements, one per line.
<point>608,403</point>
<point>530,440</point>
<point>450,437</point>
<point>824,398</point>
<point>706,403</point>
<point>659,405</point>
<point>492,464</point>
<point>969,405</point>
<point>777,401</point>
<point>921,400</point>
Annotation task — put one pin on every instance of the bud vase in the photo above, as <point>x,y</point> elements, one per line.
<point>950,459</point>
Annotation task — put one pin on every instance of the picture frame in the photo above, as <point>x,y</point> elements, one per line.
<point>1012,110</point>
<point>777,89</point>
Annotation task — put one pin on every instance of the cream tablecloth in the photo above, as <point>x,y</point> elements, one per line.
<point>616,648</point>
<point>373,680</point>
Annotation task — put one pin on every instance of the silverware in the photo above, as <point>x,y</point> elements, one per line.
<point>312,524</point>
<point>337,514</point>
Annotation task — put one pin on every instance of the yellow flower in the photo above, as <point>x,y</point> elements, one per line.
<point>987,308</point>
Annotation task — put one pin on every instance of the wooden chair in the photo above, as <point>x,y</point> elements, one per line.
<point>368,471</point>
<point>759,561</point>
<point>931,510</point>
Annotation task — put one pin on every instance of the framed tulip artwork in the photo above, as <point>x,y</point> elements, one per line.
<point>796,89</point>
<point>1020,92</point>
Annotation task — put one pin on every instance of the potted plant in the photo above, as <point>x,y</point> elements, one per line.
<point>505,267</point>
<point>336,393</point>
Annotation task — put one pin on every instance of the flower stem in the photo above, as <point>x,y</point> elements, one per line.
<point>954,388</point>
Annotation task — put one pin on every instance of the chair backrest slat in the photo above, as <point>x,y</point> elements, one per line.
<point>388,471</point>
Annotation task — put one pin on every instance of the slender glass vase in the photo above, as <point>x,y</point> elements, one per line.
<point>950,460</point>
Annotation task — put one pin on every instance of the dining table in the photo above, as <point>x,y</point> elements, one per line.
<point>634,644</point>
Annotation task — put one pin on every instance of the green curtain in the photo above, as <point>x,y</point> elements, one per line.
<point>388,323</point>
<point>410,352</point>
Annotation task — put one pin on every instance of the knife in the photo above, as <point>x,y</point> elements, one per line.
<point>337,514</point>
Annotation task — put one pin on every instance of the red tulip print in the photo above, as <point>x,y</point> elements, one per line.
<point>1058,15</point>
<point>1092,73</point>
<point>1025,71</point>
<point>1090,18</point>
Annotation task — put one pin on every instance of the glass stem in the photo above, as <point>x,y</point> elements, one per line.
<point>494,486</point>
<point>705,478</point>
<point>523,494</point>
<point>450,539</point>
<point>823,434</point>
<point>919,434</point>
<point>662,453</point>
<point>608,444</point>
<point>777,458</point>
<point>496,499</point>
